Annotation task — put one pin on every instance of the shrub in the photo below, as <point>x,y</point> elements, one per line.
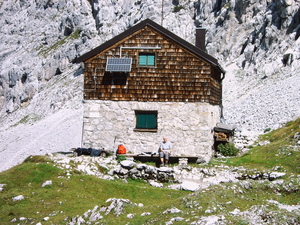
<point>228,149</point>
<point>121,158</point>
<point>177,8</point>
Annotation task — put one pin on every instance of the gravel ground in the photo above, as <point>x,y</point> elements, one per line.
<point>58,132</point>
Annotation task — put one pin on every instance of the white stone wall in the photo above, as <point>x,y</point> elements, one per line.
<point>187,125</point>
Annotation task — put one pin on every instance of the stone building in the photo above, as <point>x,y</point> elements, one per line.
<point>147,83</point>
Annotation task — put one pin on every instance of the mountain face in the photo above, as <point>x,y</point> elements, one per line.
<point>256,42</point>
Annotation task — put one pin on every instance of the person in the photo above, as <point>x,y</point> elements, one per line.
<point>165,149</point>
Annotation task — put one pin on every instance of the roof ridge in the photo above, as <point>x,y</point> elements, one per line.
<point>148,22</point>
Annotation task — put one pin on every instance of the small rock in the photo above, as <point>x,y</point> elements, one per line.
<point>177,219</point>
<point>200,160</point>
<point>246,184</point>
<point>165,170</point>
<point>47,182</point>
<point>235,212</point>
<point>209,211</point>
<point>18,198</point>
<point>172,210</point>
<point>278,182</point>
<point>209,220</point>
<point>155,184</point>
<point>130,216</point>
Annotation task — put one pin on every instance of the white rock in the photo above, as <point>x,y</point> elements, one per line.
<point>155,184</point>
<point>18,198</point>
<point>177,219</point>
<point>276,175</point>
<point>172,210</point>
<point>208,220</point>
<point>165,169</point>
<point>46,183</point>
<point>235,212</point>
<point>127,164</point>
<point>130,216</point>
<point>189,186</point>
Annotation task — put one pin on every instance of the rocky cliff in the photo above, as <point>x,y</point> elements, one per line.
<point>256,42</point>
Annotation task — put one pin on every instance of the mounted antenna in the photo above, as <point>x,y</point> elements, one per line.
<point>162,12</point>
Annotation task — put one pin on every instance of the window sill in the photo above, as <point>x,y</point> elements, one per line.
<point>144,130</point>
<point>146,66</point>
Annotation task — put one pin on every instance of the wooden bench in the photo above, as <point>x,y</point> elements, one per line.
<point>155,158</point>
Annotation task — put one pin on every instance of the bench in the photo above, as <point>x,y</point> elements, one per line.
<point>155,158</point>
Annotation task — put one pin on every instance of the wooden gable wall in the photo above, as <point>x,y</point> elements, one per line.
<point>178,75</point>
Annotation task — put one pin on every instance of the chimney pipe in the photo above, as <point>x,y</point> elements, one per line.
<point>200,38</point>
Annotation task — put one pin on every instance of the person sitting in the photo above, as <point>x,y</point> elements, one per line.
<point>165,149</point>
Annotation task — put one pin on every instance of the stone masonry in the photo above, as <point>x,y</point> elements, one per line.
<point>188,126</point>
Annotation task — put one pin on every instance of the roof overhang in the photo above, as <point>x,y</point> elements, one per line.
<point>192,48</point>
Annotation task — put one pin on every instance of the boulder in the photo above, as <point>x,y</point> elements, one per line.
<point>275,175</point>
<point>127,164</point>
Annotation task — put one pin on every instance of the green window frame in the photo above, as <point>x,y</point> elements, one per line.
<point>146,59</point>
<point>146,120</point>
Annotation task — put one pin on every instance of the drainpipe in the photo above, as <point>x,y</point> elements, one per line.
<point>221,103</point>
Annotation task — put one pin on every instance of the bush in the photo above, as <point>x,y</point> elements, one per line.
<point>228,149</point>
<point>121,158</point>
<point>177,8</point>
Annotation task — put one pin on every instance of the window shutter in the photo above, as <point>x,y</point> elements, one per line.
<point>151,121</point>
<point>141,121</point>
<point>143,60</point>
<point>150,60</point>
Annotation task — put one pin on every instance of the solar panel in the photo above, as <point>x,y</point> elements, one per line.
<point>118,64</point>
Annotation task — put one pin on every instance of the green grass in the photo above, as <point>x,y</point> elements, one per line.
<point>68,197</point>
<point>74,196</point>
<point>32,118</point>
<point>278,153</point>
<point>46,51</point>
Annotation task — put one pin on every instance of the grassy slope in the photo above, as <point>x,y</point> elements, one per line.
<point>74,196</point>
<point>279,152</point>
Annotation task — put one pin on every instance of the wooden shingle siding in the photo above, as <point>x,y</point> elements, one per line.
<point>178,74</point>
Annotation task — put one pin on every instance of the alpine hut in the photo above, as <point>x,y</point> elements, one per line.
<point>147,83</point>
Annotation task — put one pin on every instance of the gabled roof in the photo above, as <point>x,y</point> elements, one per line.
<point>197,51</point>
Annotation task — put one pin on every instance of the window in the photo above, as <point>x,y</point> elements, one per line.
<point>146,120</point>
<point>146,59</point>
<point>114,78</point>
